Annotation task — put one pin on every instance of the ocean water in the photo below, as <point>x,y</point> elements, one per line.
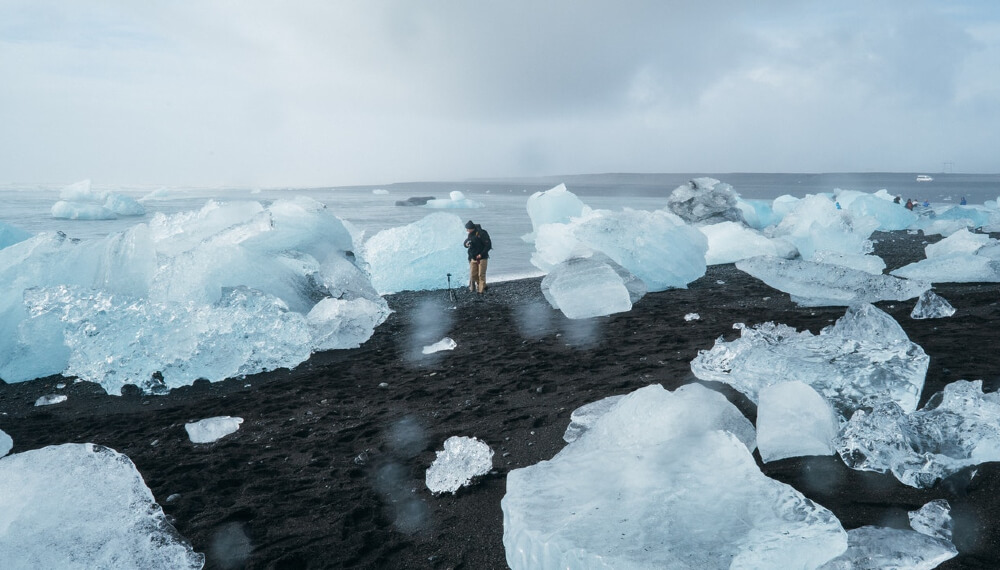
<point>373,208</point>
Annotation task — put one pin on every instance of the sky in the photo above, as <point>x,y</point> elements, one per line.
<point>333,92</point>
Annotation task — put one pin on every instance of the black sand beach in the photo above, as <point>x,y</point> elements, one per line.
<point>327,470</point>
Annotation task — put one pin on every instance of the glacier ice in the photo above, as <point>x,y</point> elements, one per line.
<point>583,417</point>
<point>959,242</point>
<point>814,222</point>
<point>956,268</point>
<point>729,242</point>
<point>890,216</point>
<point>812,284</point>
<point>583,288</point>
<point>82,506</point>
<point>794,420</point>
<point>644,489</point>
<point>865,355</point>
<point>866,262</point>
<point>444,344</point>
<point>212,429</point>
<point>50,399</point>
<point>79,201</point>
<point>6,443</point>
<point>556,205</point>
<point>456,199</point>
<point>958,427</point>
<point>875,547</point>
<point>657,247</point>
<point>930,305</point>
<point>416,256</point>
<point>705,201</point>
<point>462,459</point>
<point>9,235</point>
<point>933,519</point>
<point>182,287</point>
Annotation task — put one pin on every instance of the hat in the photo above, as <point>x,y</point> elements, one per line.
<point>469,225</point>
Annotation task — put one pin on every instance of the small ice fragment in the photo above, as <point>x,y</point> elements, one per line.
<point>462,459</point>
<point>50,399</point>
<point>383,385</point>
<point>692,317</point>
<point>931,306</point>
<point>212,429</point>
<point>933,519</point>
<point>444,344</point>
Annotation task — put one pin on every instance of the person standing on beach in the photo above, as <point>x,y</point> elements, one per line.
<point>478,243</point>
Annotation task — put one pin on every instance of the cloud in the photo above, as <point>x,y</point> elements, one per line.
<point>321,93</point>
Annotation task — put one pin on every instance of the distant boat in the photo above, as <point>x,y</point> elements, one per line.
<point>923,178</point>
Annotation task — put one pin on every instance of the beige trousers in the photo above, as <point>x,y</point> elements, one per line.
<point>477,275</point>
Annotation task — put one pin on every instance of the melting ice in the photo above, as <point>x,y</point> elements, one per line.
<point>864,355</point>
<point>461,460</point>
<point>81,506</point>
<point>649,485</point>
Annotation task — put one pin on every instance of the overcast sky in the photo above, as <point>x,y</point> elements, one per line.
<point>337,92</point>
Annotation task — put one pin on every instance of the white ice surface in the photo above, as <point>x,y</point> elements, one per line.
<point>794,420</point>
<point>83,506</point>
<point>462,459</point>
<point>209,430</point>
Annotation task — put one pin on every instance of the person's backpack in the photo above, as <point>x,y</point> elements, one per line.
<point>487,242</point>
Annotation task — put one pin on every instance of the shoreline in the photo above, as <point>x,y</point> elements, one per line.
<point>327,469</point>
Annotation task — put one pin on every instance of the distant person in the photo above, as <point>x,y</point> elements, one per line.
<point>909,203</point>
<point>926,204</point>
<point>898,199</point>
<point>479,245</point>
<point>837,204</point>
<point>963,202</point>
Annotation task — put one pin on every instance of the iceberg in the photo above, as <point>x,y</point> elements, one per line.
<point>657,247</point>
<point>210,430</point>
<point>793,420</point>
<point>814,222</point>
<point>865,356</point>
<point>958,427</point>
<point>9,235</point>
<point>582,418</point>
<point>585,288</point>
<point>868,263</point>
<point>456,199</point>
<point>82,506</point>
<point>461,460</point>
<point>705,201</point>
<point>960,242</point>
<point>80,202</point>
<point>6,443</point>
<point>812,284</point>
<point>554,206</point>
<point>931,306</point>
<point>881,547</point>
<point>890,216</point>
<point>229,289</point>
<point>956,268</point>
<point>416,256</point>
<point>729,242</point>
<point>650,485</point>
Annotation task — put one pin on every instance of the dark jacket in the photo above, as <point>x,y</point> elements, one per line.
<point>478,243</point>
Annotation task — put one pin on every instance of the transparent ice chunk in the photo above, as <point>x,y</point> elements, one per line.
<point>793,420</point>
<point>931,306</point>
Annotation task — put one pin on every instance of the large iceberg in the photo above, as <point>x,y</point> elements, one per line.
<point>657,247</point>
<point>80,202</point>
<point>958,427</point>
<point>82,506</point>
<point>814,222</point>
<point>812,284</point>
<point>890,216</point>
<point>417,256</point>
<point>650,485</point>
<point>865,356</point>
<point>223,291</point>
<point>958,268</point>
<point>556,205</point>
<point>705,201</point>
